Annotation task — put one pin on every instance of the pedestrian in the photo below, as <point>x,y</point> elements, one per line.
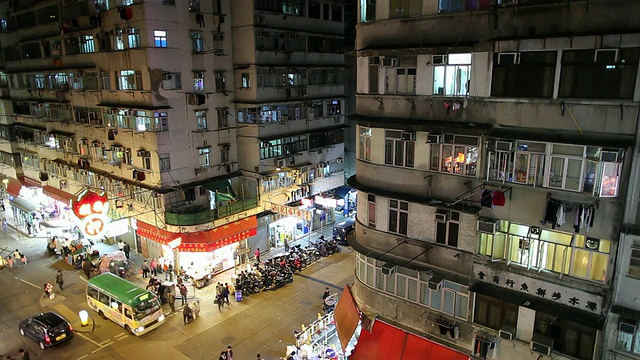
<point>257,254</point>
<point>10,261</point>
<point>145,269</point>
<point>169,274</point>
<point>29,227</point>
<point>24,354</point>
<point>158,267</point>
<point>183,293</point>
<point>48,289</point>
<point>225,293</point>
<point>59,279</point>
<point>17,256</point>
<point>223,355</point>
<point>2,205</point>
<point>326,293</point>
<point>229,353</point>
<point>23,259</point>
<point>219,301</point>
<point>286,246</point>
<point>259,357</point>
<point>171,299</point>
<point>120,245</point>
<point>187,314</point>
<point>126,248</point>
<point>153,266</point>
<point>5,224</point>
<point>87,267</point>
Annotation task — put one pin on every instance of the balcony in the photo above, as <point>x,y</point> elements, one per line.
<point>200,214</point>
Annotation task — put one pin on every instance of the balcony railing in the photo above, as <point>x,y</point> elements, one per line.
<point>195,215</point>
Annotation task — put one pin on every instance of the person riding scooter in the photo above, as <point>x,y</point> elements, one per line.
<point>187,314</point>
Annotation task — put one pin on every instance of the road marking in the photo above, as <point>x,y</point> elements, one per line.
<point>82,357</point>
<point>28,283</point>
<point>90,340</point>
<point>121,336</point>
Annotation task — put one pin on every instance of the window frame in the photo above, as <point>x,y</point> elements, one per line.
<point>160,38</point>
<point>398,221</point>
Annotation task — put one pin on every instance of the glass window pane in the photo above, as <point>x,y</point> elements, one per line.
<point>462,304</point>
<point>438,80</point>
<point>574,174</point>
<point>580,263</point>
<point>412,289</point>
<point>379,279</point>
<point>369,275</point>
<point>424,293</point>
<point>449,297</point>
<point>557,172</point>
<point>598,267</point>
<point>391,284</point>
<point>401,288</point>
<point>436,299</point>
<point>459,59</point>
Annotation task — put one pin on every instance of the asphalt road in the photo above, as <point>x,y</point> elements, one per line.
<point>262,323</point>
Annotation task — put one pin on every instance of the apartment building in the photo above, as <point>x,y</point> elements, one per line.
<point>131,98</point>
<point>497,179</point>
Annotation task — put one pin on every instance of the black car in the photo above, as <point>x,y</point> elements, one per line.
<point>48,329</point>
<point>344,230</point>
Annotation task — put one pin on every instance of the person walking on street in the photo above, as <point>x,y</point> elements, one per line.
<point>187,314</point>
<point>286,246</point>
<point>5,224</point>
<point>24,354</point>
<point>169,275</point>
<point>60,279</point>
<point>257,254</point>
<point>29,227</point>
<point>153,267</point>
<point>87,267</point>
<point>126,248</point>
<point>225,293</point>
<point>183,293</point>
<point>229,353</point>
<point>2,205</point>
<point>120,245</point>
<point>10,261</point>
<point>17,256</point>
<point>171,299</point>
<point>145,269</point>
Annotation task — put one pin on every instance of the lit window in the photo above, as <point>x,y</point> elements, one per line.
<point>201,119</point>
<point>160,38</point>
<point>204,155</point>
<point>451,74</point>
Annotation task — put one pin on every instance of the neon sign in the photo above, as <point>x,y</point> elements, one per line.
<point>91,208</point>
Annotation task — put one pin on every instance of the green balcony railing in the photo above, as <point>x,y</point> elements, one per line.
<point>195,215</point>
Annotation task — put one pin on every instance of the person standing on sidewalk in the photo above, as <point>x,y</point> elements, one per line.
<point>5,224</point>
<point>17,256</point>
<point>87,267</point>
<point>171,299</point>
<point>121,245</point>
<point>24,354</point>
<point>145,269</point>
<point>153,267</point>
<point>2,205</point>
<point>127,249</point>
<point>183,293</point>
<point>257,254</point>
<point>60,279</point>
<point>229,353</point>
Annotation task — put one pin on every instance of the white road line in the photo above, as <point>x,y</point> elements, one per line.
<point>82,357</point>
<point>92,341</point>
<point>121,336</point>
<point>26,282</point>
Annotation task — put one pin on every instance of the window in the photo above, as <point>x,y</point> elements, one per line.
<point>525,74</point>
<point>400,75</point>
<point>367,10</point>
<point>224,153</point>
<point>198,81</point>
<point>599,73</point>
<point>628,338</point>
<point>455,154</point>
<point>565,167</point>
<point>334,107</point>
<point>223,117</point>
<point>371,210</point>
<point>86,44</point>
<point>129,80</point>
<point>146,161</point>
<point>201,120</point>
<point>447,227</point>
<point>494,313</point>
<point>221,81</point>
<point>246,84</point>
<point>143,122</point>
<point>451,74</point>
<point>314,10</point>
<point>336,13</point>
<point>160,38</point>
<point>405,8</point>
<point>374,74</point>
<point>634,261</point>
<point>399,148</point>
<point>118,40</point>
<point>133,38</point>
<point>218,42</point>
<point>204,155</point>
<point>197,42</point>
<point>570,338</point>
<point>398,216</point>
<point>160,122</point>
<point>364,146</point>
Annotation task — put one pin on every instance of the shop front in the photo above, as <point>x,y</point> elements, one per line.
<point>293,224</point>
<point>198,254</point>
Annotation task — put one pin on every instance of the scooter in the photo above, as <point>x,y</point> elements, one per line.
<point>195,310</point>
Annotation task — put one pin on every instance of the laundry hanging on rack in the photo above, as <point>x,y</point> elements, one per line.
<point>498,198</point>
<point>556,214</point>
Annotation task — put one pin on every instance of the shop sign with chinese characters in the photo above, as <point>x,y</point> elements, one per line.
<point>291,211</point>
<point>91,208</point>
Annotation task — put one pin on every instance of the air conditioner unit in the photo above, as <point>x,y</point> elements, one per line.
<point>339,160</point>
<point>504,145</point>
<point>507,333</point>
<point>406,136</point>
<point>488,226</point>
<point>433,139</point>
<point>606,56</point>
<point>507,2</point>
<point>439,59</point>
<point>435,283</point>
<point>511,58</point>
<point>167,76</point>
<point>388,268</point>
<point>142,153</point>
<point>279,163</point>
<point>442,215</point>
<point>541,344</point>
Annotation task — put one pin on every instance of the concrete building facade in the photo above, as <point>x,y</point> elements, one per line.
<point>513,126</point>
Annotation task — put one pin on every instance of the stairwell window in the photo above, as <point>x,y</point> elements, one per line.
<point>197,42</point>
<point>399,148</point>
<point>204,155</point>
<point>223,117</point>
<point>451,74</point>
<point>246,81</point>
<point>447,227</point>
<point>398,216</point>
<point>225,150</point>
<point>371,210</point>
<point>161,122</point>
<point>221,81</point>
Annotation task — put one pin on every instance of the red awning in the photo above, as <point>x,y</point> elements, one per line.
<point>390,342</point>
<point>13,186</point>
<point>57,194</point>
<point>203,241</point>
<point>29,182</point>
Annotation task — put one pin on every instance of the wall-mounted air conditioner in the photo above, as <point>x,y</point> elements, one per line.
<point>279,163</point>
<point>439,59</point>
<point>507,2</point>
<point>541,344</point>
<point>433,139</point>
<point>488,226</point>
<point>606,56</point>
<point>406,136</point>
<point>435,283</point>
<point>503,145</point>
<point>510,58</point>
<point>507,333</point>
<point>388,268</point>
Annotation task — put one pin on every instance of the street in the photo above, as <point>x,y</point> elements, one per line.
<point>262,323</point>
